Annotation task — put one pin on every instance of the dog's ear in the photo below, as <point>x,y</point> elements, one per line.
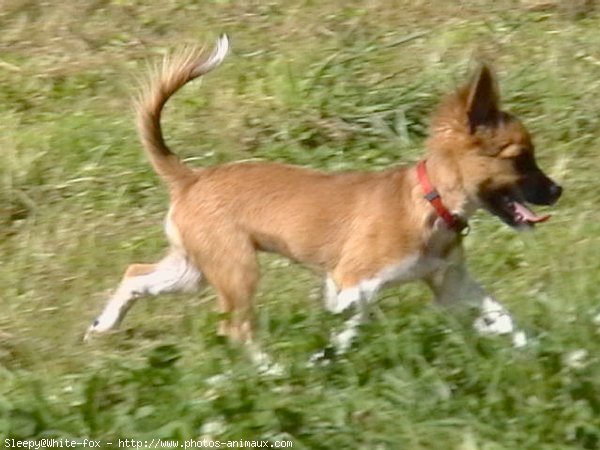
<point>483,99</point>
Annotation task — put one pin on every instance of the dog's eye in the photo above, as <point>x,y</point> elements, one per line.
<point>510,151</point>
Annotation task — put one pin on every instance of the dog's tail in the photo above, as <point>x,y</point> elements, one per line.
<point>175,71</point>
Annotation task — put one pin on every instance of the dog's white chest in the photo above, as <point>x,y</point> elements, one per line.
<point>408,269</point>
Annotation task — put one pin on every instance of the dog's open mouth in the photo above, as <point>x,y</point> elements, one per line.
<point>514,212</point>
<point>525,216</point>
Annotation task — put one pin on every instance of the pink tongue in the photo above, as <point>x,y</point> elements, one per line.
<point>527,215</point>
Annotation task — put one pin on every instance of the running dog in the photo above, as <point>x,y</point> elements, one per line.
<point>362,230</point>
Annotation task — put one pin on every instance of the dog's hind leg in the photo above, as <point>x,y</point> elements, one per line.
<point>232,269</point>
<point>174,273</point>
<point>235,284</point>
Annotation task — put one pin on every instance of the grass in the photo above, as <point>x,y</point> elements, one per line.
<point>334,85</point>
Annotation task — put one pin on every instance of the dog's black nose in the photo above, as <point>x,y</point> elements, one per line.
<point>555,191</point>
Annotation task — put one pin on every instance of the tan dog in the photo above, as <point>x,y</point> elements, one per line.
<point>364,230</point>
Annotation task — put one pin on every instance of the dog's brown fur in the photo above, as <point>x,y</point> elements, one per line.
<point>351,225</point>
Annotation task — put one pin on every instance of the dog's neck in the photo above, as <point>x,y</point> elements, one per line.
<point>446,180</point>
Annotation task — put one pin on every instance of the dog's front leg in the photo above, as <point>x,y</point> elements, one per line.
<point>337,302</point>
<point>454,285</point>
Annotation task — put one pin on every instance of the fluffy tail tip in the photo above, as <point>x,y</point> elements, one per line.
<point>221,49</point>
<point>217,56</point>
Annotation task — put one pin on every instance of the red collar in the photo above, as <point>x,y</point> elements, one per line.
<point>432,196</point>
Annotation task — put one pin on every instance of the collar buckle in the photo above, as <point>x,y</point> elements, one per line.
<point>432,195</point>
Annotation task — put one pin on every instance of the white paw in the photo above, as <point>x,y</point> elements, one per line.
<point>500,324</point>
<point>102,324</point>
<point>493,323</point>
<point>494,319</point>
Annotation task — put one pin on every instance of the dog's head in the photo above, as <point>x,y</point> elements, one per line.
<point>490,153</point>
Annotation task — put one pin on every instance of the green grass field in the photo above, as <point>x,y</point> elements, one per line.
<point>327,84</point>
